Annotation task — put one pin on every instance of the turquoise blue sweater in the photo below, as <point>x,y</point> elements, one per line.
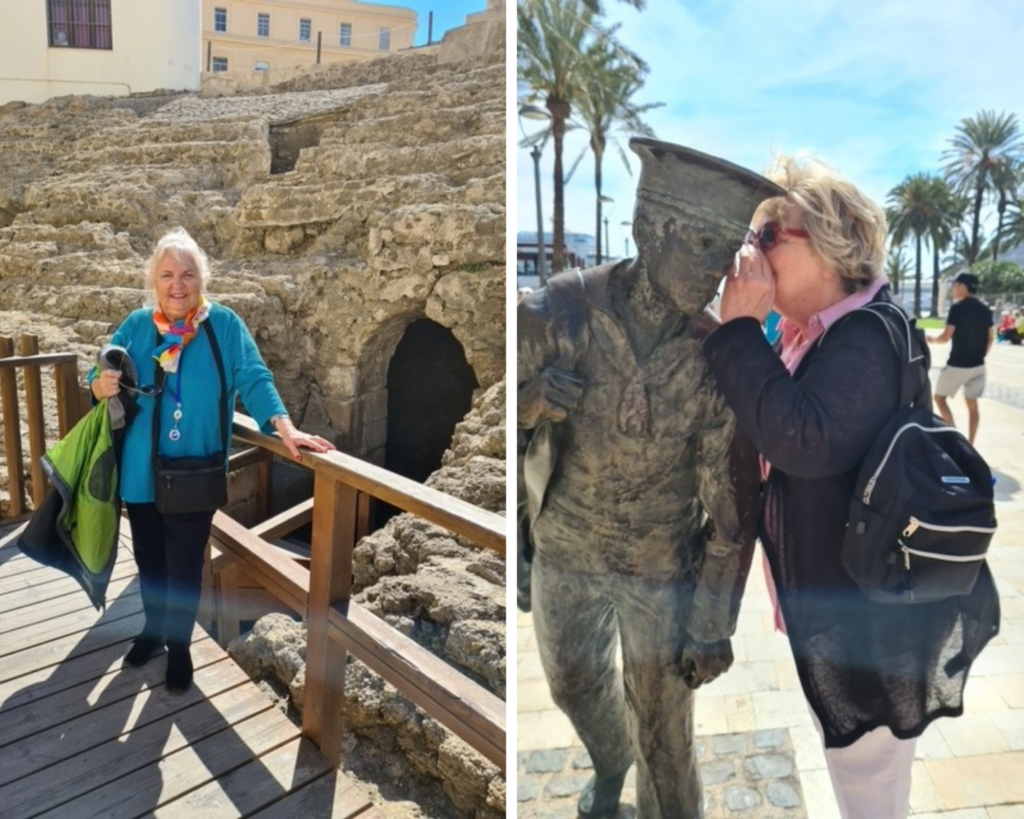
<point>198,385</point>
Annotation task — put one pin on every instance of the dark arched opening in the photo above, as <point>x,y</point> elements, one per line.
<point>430,389</point>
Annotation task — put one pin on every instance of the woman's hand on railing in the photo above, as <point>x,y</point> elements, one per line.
<point>106,385</point>
<point>294,438</point>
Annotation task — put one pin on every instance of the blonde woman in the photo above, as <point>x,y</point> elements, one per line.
<point>874,675</point>
<point>176,343</point>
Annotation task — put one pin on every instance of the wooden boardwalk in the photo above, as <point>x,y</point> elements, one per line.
<point>81,737</point>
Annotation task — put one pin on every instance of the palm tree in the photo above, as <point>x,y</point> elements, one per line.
<point>613,75</point>
<point>981,145</point>
<point>897,266</point>
<point>549,53</point>
<point>946,213</point>
<point>1013,230</point>
<point>1008,180</point>
<point>596,8</point>
<point>909,214</point>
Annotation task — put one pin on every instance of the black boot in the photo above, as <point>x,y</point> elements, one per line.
<point>600,797</point>
<point>144,648</point>
<point>179,669</point>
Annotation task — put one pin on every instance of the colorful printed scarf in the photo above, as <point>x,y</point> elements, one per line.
<point>177,334</point>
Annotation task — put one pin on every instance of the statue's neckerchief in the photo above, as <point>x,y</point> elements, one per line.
<point>634,410</point>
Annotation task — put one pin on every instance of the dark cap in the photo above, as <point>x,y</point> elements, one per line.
<point>968,280</point>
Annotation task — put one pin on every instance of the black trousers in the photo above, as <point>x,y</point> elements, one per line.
<point>169,551</point>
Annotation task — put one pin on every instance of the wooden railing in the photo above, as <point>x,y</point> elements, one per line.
<point>340,514</point>
<point>343,486</point>
<point>69,411</point>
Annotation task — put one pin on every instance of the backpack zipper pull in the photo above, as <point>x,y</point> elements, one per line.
<point>912,527</point>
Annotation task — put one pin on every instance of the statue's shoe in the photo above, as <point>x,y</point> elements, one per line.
<point>600,797</point>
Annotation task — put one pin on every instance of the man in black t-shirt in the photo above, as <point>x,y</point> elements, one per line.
<point>970,326</point>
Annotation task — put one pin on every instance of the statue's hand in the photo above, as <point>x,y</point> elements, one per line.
<point>550,396</point>
<point>703,662</point>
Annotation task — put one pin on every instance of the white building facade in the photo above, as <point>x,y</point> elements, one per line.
<point>51,48</point>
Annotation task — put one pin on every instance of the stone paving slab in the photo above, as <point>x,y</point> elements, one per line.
<point>750,774</point>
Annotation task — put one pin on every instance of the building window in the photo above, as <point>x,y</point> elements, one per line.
<point>263,25</point>
<point>305,30</point>
<point>79,23</point>
<point>384,40</point>
<point>220,64</point>
<point>220,19</point>
<point>262,66</point>
<point>345,35</point>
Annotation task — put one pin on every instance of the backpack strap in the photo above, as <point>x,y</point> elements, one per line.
<point>905,339</point>
<point>901,334</point>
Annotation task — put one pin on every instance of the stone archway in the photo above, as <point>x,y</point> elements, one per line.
<point>430,389</point>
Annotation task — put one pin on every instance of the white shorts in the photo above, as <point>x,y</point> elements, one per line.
<point>951,379</point>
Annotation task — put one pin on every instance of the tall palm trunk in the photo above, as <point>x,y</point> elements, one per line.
<point>559,114</point>
<point>917,279</point>
<point>935,281</point>
<point>598,148</point>
<point>974,249</point>
<point>999,226</point>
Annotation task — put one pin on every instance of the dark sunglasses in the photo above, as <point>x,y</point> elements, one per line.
<point>768,236</point>
<point>149,392</point>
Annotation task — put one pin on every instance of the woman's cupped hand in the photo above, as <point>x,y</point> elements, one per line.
<point>749,286</point>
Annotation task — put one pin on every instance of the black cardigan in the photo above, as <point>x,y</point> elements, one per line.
<point>861,664</point>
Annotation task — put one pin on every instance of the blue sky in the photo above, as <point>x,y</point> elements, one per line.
<point>447,14</point>
<point>873,88</point>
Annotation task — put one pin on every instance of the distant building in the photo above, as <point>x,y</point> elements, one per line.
<point>102,47</point>
<point>527,257</point>
<point>246,35</point>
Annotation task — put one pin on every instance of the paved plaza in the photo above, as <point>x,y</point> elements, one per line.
<point>760,754</point>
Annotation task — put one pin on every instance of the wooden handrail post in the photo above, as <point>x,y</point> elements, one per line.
<point>264,485</point>
<point>29,345</point>
<point>335,512</point>
<point>69,410</point>
<point>364,519</point>
<point>12,430</point>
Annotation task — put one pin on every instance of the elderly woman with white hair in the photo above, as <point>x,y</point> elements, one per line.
<point>200,356</point>
<point>875,675</point>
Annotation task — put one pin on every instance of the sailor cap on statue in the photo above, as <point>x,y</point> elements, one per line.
<point>712,199</point>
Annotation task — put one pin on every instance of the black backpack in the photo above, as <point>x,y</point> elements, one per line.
<point>922,514</point>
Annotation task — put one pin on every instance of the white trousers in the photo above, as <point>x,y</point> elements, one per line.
<point>871,777</point>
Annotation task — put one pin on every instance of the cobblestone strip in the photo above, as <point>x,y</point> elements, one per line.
<point>745,775</point>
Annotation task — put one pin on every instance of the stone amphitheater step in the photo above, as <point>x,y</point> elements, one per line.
<point>414,127</point>
<point>107,194</point>
<point>219,164</point>
<point>440,230</point>
<point>454,96</point>
<point>294,200</point>
<point>463,158</point>
<point>146,132</point>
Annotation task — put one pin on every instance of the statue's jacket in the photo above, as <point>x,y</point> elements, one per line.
<point>623,484</point>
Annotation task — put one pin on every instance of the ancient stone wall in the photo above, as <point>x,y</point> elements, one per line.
<point>337,209</point>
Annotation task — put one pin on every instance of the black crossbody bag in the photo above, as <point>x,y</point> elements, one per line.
<point>192,485</point>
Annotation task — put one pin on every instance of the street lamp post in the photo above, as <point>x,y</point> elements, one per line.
<point>537,113</point>
<point>602,200</point>
<point>542,250</point>
<point>626,224</point>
